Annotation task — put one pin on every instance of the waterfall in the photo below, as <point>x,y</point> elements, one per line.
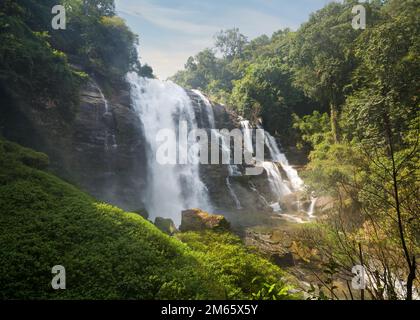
<point>209,108</point>
<point>106,105</point>
<point>233,169</point>
<point>277,185</point>
<point>110,141</point>
<point>233,194</point>
<point>277,156</point>
<point>292,175</point>
<point>311,209</point>
<point>264,200</point>
<point>246,128</point>
<point>170,188</point>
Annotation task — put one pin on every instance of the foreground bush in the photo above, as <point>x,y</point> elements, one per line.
<point>107,253</point>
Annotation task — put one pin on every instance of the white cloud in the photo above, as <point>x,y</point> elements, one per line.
<point>255,23</point>
<point>164,64</point>
<point>169,18</point>
<point>168,58</point>
<point>168,36</point>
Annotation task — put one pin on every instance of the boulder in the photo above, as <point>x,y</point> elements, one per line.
<point>198,220</point>
<point>283,260</point>
<point>165,225</point>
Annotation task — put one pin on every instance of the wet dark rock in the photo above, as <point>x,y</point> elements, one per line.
<point>165,225</point>
<point>273,244</point>
<point>102,153</point>
<point>283,260</point>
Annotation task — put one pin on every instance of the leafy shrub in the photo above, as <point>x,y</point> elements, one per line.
<point>107,253</point>
<point>243,273</point>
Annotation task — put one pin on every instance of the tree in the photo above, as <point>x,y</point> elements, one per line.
<point>230,43</point>
<point>373,171</point>
<point>31,70</point>
<point>199,71</point>
<point>190,65</point>
<point>146,71</point>
<point>97,39</point>
<point>99,7</point>
<point>266,91</point>
<point>323,57</point>
<point>383,116</point>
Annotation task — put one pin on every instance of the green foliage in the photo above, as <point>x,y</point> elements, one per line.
<point>28,157</point>
<point>243,273</point>
<point>107,253</point>
<point>372,172</point>
<point>40,67</point>
<point>146,71</point>
<point>323,56</point>
<point>31,68</point>
<point>98,40</point>
<point>230,43</point>
<point>322,53</point>
<point>98,8</point>
<point>271,292</point>
<point>199,70</point>
<point>254,78</point>
<point>266,91</point>
<point>313,129</point>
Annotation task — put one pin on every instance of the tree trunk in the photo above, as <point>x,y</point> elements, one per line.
<point>334,122</point>
<point>362,291</point>
<point>410,264</point>
<point>410,279</point>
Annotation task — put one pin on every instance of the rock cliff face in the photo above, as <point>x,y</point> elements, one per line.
<point>103,151</point>
<point>248,189</point>
<point>99,150</point>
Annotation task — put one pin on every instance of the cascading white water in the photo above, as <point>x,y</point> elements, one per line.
<point>296,182</point>
<point>311,208</point>
<point>277,156</point>
<point>277,185</point>
<point>233,194</point>
<point>106,105</point>
<point>209,109</point>
<point>171,188</point>
<point>247,136</point>
<point>262,198</point>
<point>110,141</point>
<point>233,169</point>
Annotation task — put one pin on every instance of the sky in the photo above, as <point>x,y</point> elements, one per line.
<point>170,31</point>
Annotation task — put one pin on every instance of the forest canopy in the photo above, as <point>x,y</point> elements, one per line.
<point>349,98</point>
<point>316,67</point>
<point>49,65</point>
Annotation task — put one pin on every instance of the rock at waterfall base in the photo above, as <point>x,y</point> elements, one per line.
<point>283,260</point>
<point>165,225</point>
<point>198,220</point>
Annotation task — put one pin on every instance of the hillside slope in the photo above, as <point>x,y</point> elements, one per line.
<point>107,253</point>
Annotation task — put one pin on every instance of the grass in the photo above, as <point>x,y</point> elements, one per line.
<point>107,253</point>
